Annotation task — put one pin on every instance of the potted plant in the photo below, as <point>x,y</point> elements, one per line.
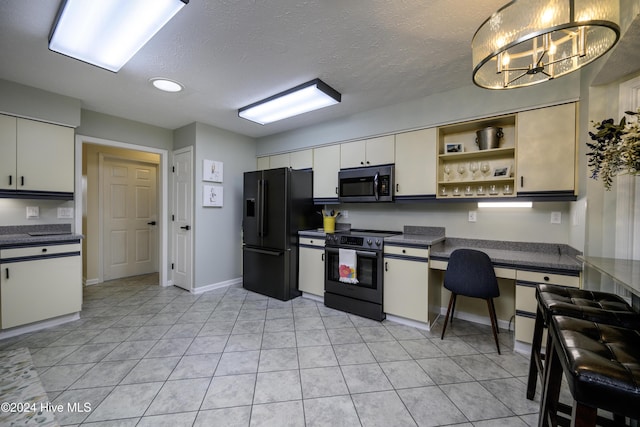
<point>615,149</point>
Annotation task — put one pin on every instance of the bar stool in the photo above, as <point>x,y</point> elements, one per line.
<point>602,366</point>
<point>599,307</point>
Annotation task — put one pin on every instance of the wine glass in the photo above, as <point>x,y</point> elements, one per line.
<point>447,171</point>
<point>461,170</point>
<point>485,169</point>
<point>473,167</point>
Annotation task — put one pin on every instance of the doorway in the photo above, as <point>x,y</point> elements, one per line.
<point>90,216</point>
<point>129,217</point>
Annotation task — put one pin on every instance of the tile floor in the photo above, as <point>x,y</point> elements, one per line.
<point>142,355</point>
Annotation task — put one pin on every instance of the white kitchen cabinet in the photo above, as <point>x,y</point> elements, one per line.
<point>279,161</point>
<point>546,150</point>
<point>416,155</point>
<point>326,165</point>
<point>368,152</point>
<point>39,283</point>
<point>36,156</point>
<point>311,266</point>
<point>526,303</point>
<point>7,152</point>
<point>406,284</point>
<point>262,163</point>
<point>302,159</point>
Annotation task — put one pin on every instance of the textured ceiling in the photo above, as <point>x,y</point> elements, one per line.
<point>230,53</point>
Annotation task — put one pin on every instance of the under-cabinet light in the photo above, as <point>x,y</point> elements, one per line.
<point>108,33</point>
<point>306,97</point>
<point>505,204</point>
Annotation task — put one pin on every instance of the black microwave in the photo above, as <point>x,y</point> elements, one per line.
<point>368,184</point>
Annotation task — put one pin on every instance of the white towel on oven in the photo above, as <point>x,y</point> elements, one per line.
<point>348,266</point>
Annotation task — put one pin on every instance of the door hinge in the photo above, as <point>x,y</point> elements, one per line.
<point>172,266</point>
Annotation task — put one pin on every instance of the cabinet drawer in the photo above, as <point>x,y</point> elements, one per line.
<point>39,250</point>
<point>526,298</point>
<point>312,241</point>
<point>524,330</point>
<point>555,279</point>
<point>406,251</point>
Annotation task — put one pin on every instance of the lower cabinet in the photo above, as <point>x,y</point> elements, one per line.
<point>526,303</point>
<point>406,280</point>
<point>311,266</point>
<point>39,283</point>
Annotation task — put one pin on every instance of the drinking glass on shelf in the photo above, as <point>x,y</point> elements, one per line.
<point>456,191</point>
<point>493,190</point>
<point>468,190</point>
<point>443,191</point>
<point>506,189</point>
<point>480,191</point>
<point>485,169</point>
<point>447,172</point>
<point>461,170</point>
<point>473,168</point>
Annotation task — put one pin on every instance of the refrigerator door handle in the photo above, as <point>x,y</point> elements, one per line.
<point>264,251</point>
<point>259,210</point>
<point>263,201</point>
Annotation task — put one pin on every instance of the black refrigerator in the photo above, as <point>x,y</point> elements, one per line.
<point>277,204</point>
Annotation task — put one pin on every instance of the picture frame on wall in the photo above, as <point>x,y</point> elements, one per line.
<point>212,196</point>
<point>212,170</point>
<point>503,171</point>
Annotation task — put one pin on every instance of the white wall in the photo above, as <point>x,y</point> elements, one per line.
<point>14,211</point>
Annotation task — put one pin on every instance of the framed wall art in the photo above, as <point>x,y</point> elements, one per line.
<point>212,170</point>
<point>212,196</point>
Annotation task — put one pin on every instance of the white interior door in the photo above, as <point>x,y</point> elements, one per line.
<point>182,218</point>
<point>130,231</point>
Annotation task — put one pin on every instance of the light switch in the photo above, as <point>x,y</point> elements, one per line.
<point>473,216</point>
<point>556,217</point>
<point>33,212</point>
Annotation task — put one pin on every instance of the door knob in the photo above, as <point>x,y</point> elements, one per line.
<point>151,223</point>
<point>186,227</point>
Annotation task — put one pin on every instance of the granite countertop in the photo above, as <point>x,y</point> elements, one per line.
<point>34,234</point>
<point>417,236</point>
<point>543,256</point>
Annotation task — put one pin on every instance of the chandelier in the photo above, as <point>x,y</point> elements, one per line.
<point>531,41</point>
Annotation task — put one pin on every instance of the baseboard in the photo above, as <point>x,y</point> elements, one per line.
<point>225,284</point>
<point>91,282</point>
<point>32,327</point>
<point>408,322</point>
<point>521,347</point>
<point>316,298</point>
<point>475,318</point>
<point>169,283</point>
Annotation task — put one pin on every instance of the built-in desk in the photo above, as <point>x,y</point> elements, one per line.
<point>613,275</point>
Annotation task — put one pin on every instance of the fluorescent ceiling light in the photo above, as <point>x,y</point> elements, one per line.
<point>306,97</point>
<point>505,204</point>
<point>107,33</point>
<point>166,85</point>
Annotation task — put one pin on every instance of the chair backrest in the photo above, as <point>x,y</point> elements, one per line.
<point>470,273</point>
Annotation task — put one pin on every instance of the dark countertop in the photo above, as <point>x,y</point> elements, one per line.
<point>17,235</point>
<point>417,237</point>
<point>533,256</point>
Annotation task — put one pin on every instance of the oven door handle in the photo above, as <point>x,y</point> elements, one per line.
<point>366,254</point>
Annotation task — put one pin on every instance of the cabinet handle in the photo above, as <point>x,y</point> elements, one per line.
<point>10,179</point>
<point>22,180</point>
<point>397,188</point>
<point>362,163</point>
<point>386,266</point>
<point>44,249</point>
<point>368,162</point>
<point>323,257</point>
<point>521,180</point>
<point>6,273</point>
<point>404,251</point>
<point>336,190</point>
<point>546,278</point>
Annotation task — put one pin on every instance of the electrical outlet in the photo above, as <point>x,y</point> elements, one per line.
<point>33,212</point>
<point>65,213</point>
<point>556,217</point>
<point>344,214</point>
<point>473,215</point>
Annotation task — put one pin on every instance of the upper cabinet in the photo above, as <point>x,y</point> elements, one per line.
<point>466,170</point>
<point>546,154</point>
<point>368,152</point>
<point>302,159</point>
<point>326,165</point>
<point>36,157</point>
<point>416,166</point>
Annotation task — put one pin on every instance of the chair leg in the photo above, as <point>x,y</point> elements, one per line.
<point>494,325</point>
<point>550,387</point>
<point>452,301</point>
<point>494,315</point>
<point>453,308</point>
<point>535,362</point>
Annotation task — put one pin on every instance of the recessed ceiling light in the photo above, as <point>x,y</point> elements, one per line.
<point>166,85</point>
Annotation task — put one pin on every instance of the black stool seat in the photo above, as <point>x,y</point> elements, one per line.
<point>601,364</point>
<point>601,307</point>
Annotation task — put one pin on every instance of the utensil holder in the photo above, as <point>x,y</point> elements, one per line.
<point>329,224</point>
